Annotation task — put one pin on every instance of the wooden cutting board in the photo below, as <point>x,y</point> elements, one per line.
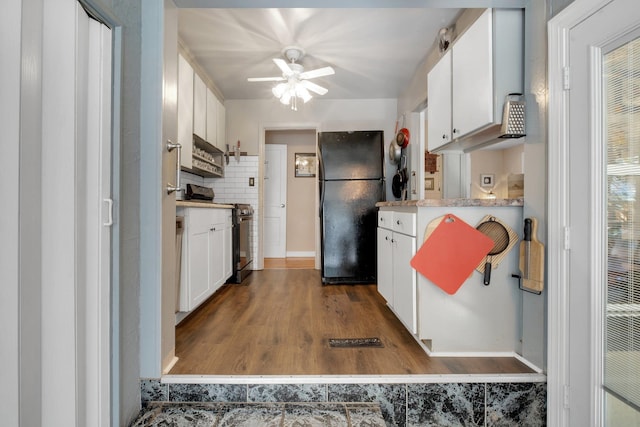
<point>450,252</point>
<point>532,263</point>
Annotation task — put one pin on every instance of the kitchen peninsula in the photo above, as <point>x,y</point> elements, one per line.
<point>478,319</point>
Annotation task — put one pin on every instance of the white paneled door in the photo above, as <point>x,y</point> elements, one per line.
<point>594,360</point>
<point>275,201</point>
<point>77,217</point>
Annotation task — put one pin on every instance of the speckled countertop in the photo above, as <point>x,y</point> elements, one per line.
<point>453,202</point>
<point>191,204</point>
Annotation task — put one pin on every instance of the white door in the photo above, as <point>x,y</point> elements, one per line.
<point>598,214</point>
<point>275,201</point>
<point>76,223</point>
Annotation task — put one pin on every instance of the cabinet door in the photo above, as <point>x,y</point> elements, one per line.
<point>439,110</point>
<point>197,253</point>
<point>212,121</point>
<point>221,126</point>
<point>199,107</point>
<point>472,83</point>
<point>216,259</point>
<point>385,264</point>
<point>404,280</point>
<point>185,111</point>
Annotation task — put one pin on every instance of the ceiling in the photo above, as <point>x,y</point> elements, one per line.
<point>374,51</point>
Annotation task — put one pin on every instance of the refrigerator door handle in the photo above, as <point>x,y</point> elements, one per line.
<point>321,198</point>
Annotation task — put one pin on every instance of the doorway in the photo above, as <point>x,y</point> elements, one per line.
<point>594,344</point>
<point>289,202</point>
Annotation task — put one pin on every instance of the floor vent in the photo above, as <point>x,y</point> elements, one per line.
<point>355,342</point>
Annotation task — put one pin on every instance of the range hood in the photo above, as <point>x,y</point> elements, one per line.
<point>495,136</point>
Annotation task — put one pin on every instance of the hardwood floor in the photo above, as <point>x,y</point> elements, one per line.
<point>280,263</point>
<point>279,320</point>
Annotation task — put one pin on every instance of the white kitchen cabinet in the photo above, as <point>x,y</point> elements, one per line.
<point>221,126</point>
<point>185,111</point>
<point>396,278</point>
<point>385,264</point>
<point>199,107</point>
<point>472,80</point>
<point>439,109</point>
<point>206,254</point>
<point>472,77</point>
<point>212,120</point>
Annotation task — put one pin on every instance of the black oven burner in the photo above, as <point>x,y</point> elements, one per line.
<point>242,242</point>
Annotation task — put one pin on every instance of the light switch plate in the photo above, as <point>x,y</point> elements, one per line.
<point>251,182</point>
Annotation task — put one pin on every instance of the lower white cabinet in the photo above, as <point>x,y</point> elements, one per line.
<point>397,280</point>
<point>206,254</point>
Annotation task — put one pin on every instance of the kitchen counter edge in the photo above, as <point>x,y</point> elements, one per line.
<point>187,204</point>
<point>453,203</point>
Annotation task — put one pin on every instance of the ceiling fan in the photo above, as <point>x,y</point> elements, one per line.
<point>297,80</point>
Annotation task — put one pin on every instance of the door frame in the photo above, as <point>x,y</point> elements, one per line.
<point>560,395</point>
<point>259,257</point>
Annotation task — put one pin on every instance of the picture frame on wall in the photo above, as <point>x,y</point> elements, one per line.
<point>487,180</point>
<point>305,166</point>
<point>429,184</point>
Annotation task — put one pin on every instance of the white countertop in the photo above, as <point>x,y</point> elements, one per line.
<point>203,204</point>
<point>453,203</point>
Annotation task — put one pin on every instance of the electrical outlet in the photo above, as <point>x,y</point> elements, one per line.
<point>251,182</point>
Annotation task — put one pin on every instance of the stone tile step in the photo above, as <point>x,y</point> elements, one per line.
<point>260,414</point>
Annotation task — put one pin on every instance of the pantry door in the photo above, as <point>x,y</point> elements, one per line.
<point>594,359</point>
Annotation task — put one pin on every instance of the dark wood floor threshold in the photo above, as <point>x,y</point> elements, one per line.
<point>279,321</point>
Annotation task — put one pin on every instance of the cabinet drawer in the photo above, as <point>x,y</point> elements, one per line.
<point>405,223</point>
<point>385,219</point>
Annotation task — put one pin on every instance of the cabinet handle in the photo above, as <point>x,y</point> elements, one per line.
<point>170,147</point>
<point>455,130</point>
<point>398,222</point>
<point>444,136</point>
<point>109,221</point>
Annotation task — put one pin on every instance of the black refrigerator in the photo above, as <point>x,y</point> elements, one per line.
<point>351,179</point>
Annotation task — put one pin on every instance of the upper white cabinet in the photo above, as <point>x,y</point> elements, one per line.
<point>201,124</point>
<point>185,111</point>
<point>485,65</point>
<point>439,107</point>
<point>221,126</point>
<point>199,107</point>
<point>212,120</point>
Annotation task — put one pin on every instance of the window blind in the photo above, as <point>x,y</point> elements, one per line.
<point>622,321</point>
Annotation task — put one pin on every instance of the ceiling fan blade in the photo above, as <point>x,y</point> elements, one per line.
<point>314,87</point>
<point>282,64</point>
<point>265,79</point>
<point>319,72</point>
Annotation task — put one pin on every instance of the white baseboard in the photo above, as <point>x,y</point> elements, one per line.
<point>472,354</point>
<point>302,254</point>
<point>529,364</point>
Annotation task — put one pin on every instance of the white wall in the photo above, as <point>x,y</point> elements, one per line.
<point>247,118</point>
<point>500,163</point>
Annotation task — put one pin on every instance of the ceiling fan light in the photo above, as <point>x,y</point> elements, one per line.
<point>286,98</point>
<point>279,90</point>
<point>303,93</point>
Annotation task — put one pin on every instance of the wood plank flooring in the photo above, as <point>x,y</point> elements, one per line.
<point>278,322</point>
